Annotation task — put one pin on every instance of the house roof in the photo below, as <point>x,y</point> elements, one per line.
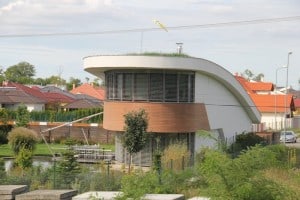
<point>12,95</point>
<point>46,96</point>
<point>297,103</point>
<point>83,103</point>
<point>88,89</point>
<point>260,86</point>
<point>57,97</point>
<point>252,87</point>
<point>266,103</point>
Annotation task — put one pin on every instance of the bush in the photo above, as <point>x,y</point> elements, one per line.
<point>176,156</point>
<point>22,138</point>
<point>4,129</point>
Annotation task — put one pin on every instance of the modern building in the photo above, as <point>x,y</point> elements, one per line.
<point>181,96</point>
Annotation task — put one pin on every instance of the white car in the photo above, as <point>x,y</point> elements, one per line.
<point>289,136</point>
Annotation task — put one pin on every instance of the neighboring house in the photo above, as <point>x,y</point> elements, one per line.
<point>180,95</point>
<point>53,101</point>
<point>297,106</point>
<point>11,98</point>
<point>82,104</point>
<point>91,90</point>
<point>271,104</point>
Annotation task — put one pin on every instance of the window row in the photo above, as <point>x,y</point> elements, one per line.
<point>156,87</point>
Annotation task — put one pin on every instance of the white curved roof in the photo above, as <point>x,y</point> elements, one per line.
<point>99,64</point>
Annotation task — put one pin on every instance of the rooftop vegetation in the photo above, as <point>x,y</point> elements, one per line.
<point>159,54</point>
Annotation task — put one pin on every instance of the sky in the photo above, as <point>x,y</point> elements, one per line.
<point>259,47</point>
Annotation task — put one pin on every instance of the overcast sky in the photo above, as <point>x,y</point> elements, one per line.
<point>260,47</point>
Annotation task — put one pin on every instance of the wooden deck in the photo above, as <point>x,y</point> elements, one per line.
<point>93,154</point>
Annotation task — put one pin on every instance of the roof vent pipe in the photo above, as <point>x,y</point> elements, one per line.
<point>179,47</point>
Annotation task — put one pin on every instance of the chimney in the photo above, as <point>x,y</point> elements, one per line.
<point>73,86</point>
<point>179,47</point>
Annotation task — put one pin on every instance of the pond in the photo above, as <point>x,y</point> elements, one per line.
<point>37,161</point>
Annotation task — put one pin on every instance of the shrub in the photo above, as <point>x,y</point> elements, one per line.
<point>21,137</point>
<point>176,156</point>
<point>4,129</point>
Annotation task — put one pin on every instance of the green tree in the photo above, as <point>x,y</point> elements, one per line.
<point>56,80</point>
<point>41,81</point>
<point>23,116</point>
<point>68,169</point>
<point>24,158</point>
<point>249,75</point>
<point>2,75</point>
<point>135,132</point>
<point>73,82</point>
<point>21,137</point>
<point>22,72</point>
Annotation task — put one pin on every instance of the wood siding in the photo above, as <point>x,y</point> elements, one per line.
<point>163,117</point>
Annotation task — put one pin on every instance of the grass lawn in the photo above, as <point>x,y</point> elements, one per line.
<point>43,150</point>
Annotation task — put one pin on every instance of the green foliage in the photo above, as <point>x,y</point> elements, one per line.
<point>3,116</point>
<point>242,177</point>
<point>22,72</point>
<point>4,130</point>
<point>24,158</point>
<point>73,82</point>
<point>21,137</point>
<point>68,169</point>
<point>176,156</point>
<point>162,54</point>
<point>140,183</point>
<point>23,116</point>
<point>135,131</point>
<point>2,170</point>
<point>104,179</point>
<point>244,141</point>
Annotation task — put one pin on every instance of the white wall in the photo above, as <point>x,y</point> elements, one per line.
<point>223,109</point>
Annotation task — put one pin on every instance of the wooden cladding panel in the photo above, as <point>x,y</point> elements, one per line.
<point>163,117</point>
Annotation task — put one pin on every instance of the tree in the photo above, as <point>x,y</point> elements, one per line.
<point>259,77</point>
<point>73,82</point>
<point>22,72</point>
<point>2,76</point>
<point>23,116</point>
<point>20,138</point>
<point>249,75</point>
<point>135,132</point>
<point>24,158</point>
<point>68,169</point>
<point>56,80</point>
<point>41,81</point>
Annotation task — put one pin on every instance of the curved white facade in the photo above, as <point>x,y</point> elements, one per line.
<point>229,108</point>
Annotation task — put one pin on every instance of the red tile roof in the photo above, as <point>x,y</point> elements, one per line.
<point>297,103</point>
<point>260,86</point>
<point>88,89</point>
<point>266,103</point>
<point>57,97</point>
<point>46,96</point>
<point>252,87</point>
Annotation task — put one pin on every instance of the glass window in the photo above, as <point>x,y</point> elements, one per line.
<point>192,88</point>
<point>109,83</point>
<point>183,88</point>
<point>141,87</point>
<point>156,87</point>
<point>127,87</point>
<point>118,86</point>
<point>171,87</point>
